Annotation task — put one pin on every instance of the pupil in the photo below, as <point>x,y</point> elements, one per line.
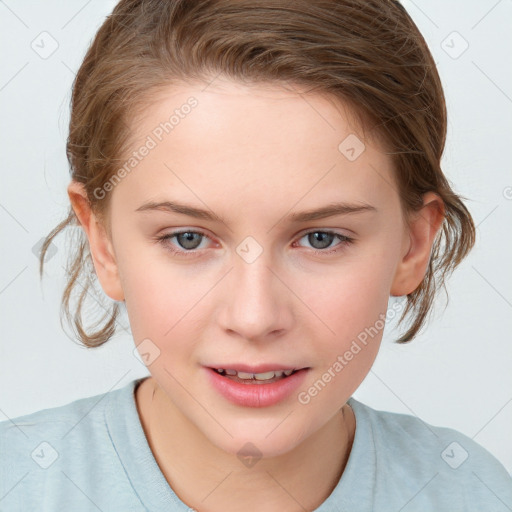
<point>188,240</point>
<point>322,236</point>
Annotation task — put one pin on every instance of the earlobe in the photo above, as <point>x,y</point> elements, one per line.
<point>423,228</point>
<point>100,245</point>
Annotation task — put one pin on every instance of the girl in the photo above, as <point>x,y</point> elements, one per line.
<point>254,180</point>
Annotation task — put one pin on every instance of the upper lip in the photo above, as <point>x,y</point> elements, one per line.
<point>260,368</point>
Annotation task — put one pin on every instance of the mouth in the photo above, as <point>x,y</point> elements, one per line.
<point>249,389</point>
<point>267,377</point>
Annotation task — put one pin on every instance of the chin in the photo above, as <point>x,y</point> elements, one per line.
<point>254,441</point>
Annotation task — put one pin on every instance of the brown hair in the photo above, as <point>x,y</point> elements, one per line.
<point>367,53</point>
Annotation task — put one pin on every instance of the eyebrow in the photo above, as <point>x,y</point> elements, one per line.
<point>329,210</point>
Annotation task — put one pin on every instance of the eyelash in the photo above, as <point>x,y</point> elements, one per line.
<point>345,241</point>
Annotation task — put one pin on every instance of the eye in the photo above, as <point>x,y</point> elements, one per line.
<point>320,240</point>
<point>188,241</point>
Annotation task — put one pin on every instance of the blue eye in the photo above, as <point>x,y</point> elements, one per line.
<point>188,241</point>
<point>325,240</point>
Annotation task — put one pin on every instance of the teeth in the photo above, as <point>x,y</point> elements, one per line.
<point>257,376</point>
<point>267,375</point>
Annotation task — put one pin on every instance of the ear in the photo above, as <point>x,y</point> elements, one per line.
<point>423,227</point>
<point>99,243</point>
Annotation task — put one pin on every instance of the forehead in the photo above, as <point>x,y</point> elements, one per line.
<point>252,145</point>
<point>223,106</point>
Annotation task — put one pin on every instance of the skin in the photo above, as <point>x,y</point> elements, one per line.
<point>254,155</point>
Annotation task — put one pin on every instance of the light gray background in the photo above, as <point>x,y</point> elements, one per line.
<point>457,374</point>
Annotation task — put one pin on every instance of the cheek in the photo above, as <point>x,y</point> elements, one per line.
<point>353,310</point>
<point>161,297</point>
<point>352,305</point>
<point>353,296</point>
<point>166,310</point>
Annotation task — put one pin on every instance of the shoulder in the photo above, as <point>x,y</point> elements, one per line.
<point>56,422</point>
<point>450,468</point>
<point>38,439</point>
<point>52,454</point>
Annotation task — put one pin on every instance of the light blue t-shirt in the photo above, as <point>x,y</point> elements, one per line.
<point>92,455</point>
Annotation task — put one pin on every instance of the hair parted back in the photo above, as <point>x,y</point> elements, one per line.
<point>367,53</point>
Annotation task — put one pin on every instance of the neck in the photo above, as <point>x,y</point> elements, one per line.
<point>202,475</point>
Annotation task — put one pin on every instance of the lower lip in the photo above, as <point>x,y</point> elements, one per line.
<point>256,395</point>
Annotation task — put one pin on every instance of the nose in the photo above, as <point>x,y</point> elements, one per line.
<point>257,302</point>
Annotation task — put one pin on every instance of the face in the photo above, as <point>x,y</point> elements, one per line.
<point>256,281</point>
